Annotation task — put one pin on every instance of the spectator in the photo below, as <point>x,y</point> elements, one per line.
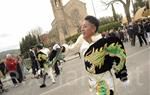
<point>35,65</point>
<point>11,65</point>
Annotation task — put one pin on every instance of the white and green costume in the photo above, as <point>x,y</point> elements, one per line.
<point>99,58</point>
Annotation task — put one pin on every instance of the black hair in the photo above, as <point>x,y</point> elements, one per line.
<point>93,20</point>
<point>112,34</point>
<point>39,46</point>
<point>63,49</point>
<point>32,47</point>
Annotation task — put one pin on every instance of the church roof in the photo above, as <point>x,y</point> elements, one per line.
<point>73,1</point>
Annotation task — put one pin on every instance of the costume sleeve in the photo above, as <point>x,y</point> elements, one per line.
<point>74,47</point>
<point>32,55</point>
<point>117,52</point>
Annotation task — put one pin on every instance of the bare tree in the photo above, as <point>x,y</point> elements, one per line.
<point>125,3</point>
<point>37,31</point>
<point>114,12</point>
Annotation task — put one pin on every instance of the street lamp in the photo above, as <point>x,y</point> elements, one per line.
<point>134,11</point>
<point>93,8</point>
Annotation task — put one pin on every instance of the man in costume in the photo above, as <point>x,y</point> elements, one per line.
<point>45,64</point>
<point>35,65</point>
<point>100,56</point>
<point>56,56</point>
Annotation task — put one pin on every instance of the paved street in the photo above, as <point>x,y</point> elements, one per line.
<point>73,78</point>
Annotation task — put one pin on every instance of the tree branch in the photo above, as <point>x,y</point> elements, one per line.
<point>107,4</point>
<point>121,1</point>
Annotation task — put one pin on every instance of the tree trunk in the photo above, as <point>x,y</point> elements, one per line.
<point>133,5</point>
<point>114,12</point>
<point>127,12</point>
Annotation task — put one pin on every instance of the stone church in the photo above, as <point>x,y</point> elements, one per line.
<point>67,19</point>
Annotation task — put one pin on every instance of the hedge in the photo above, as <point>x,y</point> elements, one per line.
<point>73,38</point>
<point>102,28</point>
<point>109,26</point>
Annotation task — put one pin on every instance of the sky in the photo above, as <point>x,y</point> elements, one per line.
<point>18,17</point>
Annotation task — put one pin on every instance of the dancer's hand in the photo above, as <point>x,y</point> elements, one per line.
<point>126,83</point>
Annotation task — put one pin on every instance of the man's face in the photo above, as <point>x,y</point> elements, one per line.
<point>87,29</point>
<point>37,49</point>
<point>8,56</point>
<point>33,48</point>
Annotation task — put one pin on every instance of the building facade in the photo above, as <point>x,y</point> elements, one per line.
<point>67,19</point>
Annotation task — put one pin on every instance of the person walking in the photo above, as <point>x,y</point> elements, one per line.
<point>54,53</point>
<point>45,65</point>
<point>140,34</point>
<point>19,68</point>
<point>11,65</point>
<point>147,29</point>
<point>35,66</point>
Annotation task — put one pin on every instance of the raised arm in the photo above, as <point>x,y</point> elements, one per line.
<point>75,46</point>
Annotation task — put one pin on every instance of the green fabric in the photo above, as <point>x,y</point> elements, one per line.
<point>116,50</point>
<point>102,88</point>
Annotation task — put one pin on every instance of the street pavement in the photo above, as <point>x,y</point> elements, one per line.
<point>74,81</point>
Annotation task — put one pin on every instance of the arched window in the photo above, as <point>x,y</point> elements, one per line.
<point>75,15</point>
<point>57,3</point>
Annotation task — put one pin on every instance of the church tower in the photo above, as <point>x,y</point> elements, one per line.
<point>60,21</point>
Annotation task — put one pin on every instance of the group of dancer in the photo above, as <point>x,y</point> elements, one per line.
<point>100,55</point>
<point>44,62</point>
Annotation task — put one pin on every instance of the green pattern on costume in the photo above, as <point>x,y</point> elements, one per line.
<point>51,63</point>
<point>116,50</point>
<point>42,57</point>
<point>96,58</point>
<point>102,88</point>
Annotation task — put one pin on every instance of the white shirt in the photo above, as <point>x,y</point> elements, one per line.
<point>56,46</point>
<point>45,51</point>
<point>81,45</point>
